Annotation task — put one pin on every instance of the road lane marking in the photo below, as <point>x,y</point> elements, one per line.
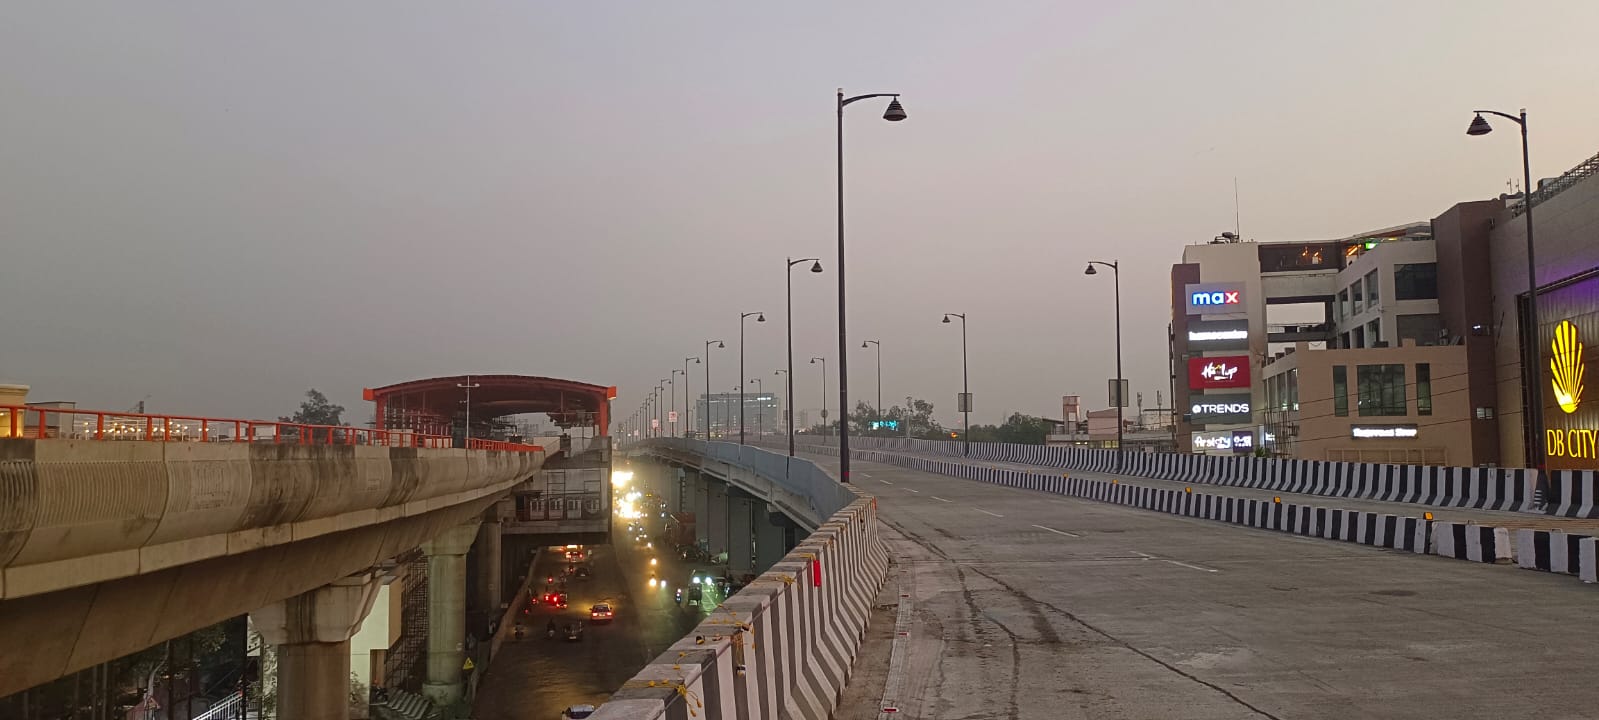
<point>866,474</point>
<point>1057,532</point>
<point>995,514</point>
<point>1193,567</point>
<point>885,482</point>
<point>935,497</point>
<point>914,490</point>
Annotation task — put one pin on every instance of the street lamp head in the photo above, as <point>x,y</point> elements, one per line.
<point>946,319</point>
<point>814,359</point>
<point>1090,270</point>
<point>863,346</point>
<point>895,111</point>
<point>760,317</point>
<point>816,267</point>
<point>1479,126</point>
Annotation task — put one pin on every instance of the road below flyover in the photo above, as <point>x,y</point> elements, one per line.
<point>1028,605</point>
<point>538,677</point>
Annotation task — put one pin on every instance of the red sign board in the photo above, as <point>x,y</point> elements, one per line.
<point>1217,373</point>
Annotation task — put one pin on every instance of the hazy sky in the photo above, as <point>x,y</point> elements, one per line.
<point>220,204</point>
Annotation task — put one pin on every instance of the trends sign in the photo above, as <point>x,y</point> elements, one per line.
<point>1229,409</point>
<point>1214,298</point>
<point>1218,373</point>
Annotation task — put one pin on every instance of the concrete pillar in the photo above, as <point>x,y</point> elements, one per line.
<point>674,488</point>
<point>312,633</point>
<point>490,582</point>
<point>771,542</point>
<point>740,535</point>
<point>446,556</point>
<point>717,512</point>
<point>700,486</point>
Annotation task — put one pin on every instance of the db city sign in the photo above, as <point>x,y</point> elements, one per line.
<point>1570,314</point>
<point>1214,298</point>
<point>1218,373</point>
<point>1228,409</point>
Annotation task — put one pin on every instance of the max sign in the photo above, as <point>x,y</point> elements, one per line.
<point>1218,373</point>
<point>1214,298</point>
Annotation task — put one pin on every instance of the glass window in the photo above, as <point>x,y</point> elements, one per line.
<point>1371,289</point>
<point>1340,391</point>
<point>1373,333</point>
<point>1343,303</point>
<point>1293,389</point>
<point>1423,389</point>
<point>1416,281</point>
<point>1382,390</point>
<point>1423,329</point>
<point>1357,298</point>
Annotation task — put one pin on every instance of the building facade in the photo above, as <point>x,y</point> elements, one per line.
<point>763,414</point>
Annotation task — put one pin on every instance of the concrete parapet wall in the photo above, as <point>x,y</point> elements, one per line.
<point>783,647</point>
<point>77,512</point>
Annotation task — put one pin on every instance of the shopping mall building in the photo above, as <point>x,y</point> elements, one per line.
<point>1401,345</point>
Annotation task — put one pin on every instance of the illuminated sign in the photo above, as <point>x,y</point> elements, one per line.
<point>1214,298</point>
<point>1218,334</point>
<point>1220,409</point>
<point>1216,373</point>
<point>1565,367</point>
<point>885,424</point>
<point>1241,441</point>
<point>1390,432</point>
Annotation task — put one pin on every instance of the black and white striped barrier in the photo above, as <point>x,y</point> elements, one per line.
<point>1467,541</point>
<point>782,647</point>
<point>1559,552</point>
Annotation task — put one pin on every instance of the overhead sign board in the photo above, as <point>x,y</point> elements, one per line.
<point>1383,432</point>
<point>1222,409</point>
<point>1214,298</point>
<point>1218,373</point>
<point>1218,334</point>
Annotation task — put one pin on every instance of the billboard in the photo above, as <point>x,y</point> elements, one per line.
<point>1218,335</point>
<point>1237,441</point>
<point>1222,409</point>
<point>1218,373</point>
<point>1383,432</point>
<point>1568,316</point>
<point>1214,298</point>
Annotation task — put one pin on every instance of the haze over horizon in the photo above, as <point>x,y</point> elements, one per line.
<point>218,207</point>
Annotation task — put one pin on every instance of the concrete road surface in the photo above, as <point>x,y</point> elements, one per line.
<point>537,678</point>
<point>1028,605</point>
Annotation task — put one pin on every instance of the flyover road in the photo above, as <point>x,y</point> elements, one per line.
<point>537,677</point>
<point>1029,605</point>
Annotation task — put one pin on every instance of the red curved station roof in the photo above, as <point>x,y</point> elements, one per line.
<point>431,404</point>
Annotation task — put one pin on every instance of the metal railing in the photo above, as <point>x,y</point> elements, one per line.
<point>1586,168</point>
<point>502,445</point>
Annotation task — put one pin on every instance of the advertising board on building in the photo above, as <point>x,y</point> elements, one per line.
<point>1218,373</point>
<point>1218,334</point>
<point>1214,298</point>
<point>1219,409</point>
<point>1569,320</point>
<point>1237,441</point>
<point>1384,432</point>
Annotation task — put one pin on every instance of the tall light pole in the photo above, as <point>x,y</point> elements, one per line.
<point>894,113</point>
<point>760,391</point>
<point>816,267</point>
<point>671,407</point>
<point>466,434</point>
<point>759,317</point>
<point>966,390</point>
<point>1121,392</point>
<point>661,408</point>
<point>879,346</point>
<point>707,413</point>
<point>790,409</point>
<point>1533,337</point>
<point>685,392</point>
<point>823,361</point>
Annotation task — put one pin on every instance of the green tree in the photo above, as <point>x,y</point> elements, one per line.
<point>315,410</point>
<point>914,418</point>
<point>1018,428</point>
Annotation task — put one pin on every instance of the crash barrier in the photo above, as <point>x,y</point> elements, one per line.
<point>784,645</point>
<point>1460,487</point>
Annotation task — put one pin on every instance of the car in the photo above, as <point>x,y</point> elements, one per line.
<point>577,712</point>
<point>583,573</point>
<point>602,612</point>
<point>574,632</point>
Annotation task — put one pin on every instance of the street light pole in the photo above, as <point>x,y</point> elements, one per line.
<point>707,413</point>
<point>671,407</point>
<point>759,317</point>
<point>966,390</point>
<point>660,409</point>
<point>1534,337</point>
<point>894,113</point>
<point>816,267</point>
<point>760,390</point>
<point>879,345</point>
<point>1121,400</point>
<point>823,361</point>
<point>466,432</point>
<point>685,393</point>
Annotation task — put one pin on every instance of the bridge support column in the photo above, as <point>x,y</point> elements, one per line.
<point>771,537</point>
<point>740,535</point>
<point>446,556</point>
<point>699,487</point>
<point>312,633</point>
<point>717,516</point>
<point>489,581</point>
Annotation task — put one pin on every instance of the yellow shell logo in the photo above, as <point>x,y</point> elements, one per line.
<point>1565,368</point>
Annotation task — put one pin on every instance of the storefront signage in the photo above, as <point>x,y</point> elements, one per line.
<point>1218,334</point>
<point>1240,441</point>
<point>1226,409</point>
<point>1214,298</point>
<point>1570,315</point>
<point>1388,432</point>
<point>1218,373</point>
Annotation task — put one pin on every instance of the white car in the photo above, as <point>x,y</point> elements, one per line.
<point>577,712</point>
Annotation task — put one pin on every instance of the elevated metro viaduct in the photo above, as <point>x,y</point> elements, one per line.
<point>113,542</point>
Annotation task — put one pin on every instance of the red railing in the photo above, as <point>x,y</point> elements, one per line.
<point>70,423</point>
<point>481,444</point>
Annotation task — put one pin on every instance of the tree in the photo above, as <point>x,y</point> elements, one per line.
<point>315,410</point>
<point>914,419</point>
<point>1018,428</point>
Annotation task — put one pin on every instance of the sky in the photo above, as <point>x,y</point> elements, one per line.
<point>213,206</point>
